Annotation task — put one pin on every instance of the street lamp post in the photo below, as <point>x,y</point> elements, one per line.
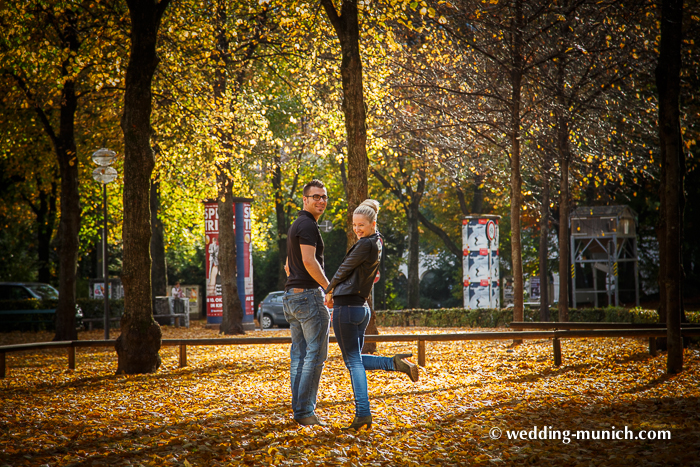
<point>104,174</point>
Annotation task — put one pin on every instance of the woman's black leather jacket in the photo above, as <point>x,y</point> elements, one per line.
<point>356,273</point>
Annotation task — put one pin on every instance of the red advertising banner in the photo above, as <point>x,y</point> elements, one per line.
<point>242,227</point>
<point>244,248</point>
<point>213,281</point>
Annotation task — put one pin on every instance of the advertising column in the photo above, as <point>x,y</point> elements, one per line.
<point>242,228</point>
<point>480,261</point>
<point>211,267</point>
<point>244,255</point>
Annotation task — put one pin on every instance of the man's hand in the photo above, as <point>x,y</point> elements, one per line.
<point>328,301</point>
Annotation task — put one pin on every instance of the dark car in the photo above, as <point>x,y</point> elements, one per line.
<point>270,312</point>
<point>35,291</point>
<point>27,290</point>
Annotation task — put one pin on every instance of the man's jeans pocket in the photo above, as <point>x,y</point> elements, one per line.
<point>305,305</point>
<point>297,305</point>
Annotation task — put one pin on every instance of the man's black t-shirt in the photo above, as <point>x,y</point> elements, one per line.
<point>304,231</point>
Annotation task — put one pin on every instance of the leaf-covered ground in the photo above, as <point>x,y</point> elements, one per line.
<point>231,406</point>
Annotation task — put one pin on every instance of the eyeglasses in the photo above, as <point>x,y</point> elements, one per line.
<point>323,198</point>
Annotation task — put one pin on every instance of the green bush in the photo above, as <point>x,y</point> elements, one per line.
<point>609,315</point>
<point>461,317</point>
<point>444,317</point>
<point>95,307</point>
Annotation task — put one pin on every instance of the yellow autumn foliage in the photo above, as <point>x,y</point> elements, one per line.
<point>231,406</point>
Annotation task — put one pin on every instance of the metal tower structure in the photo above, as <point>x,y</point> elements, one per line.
<point>604,257</point>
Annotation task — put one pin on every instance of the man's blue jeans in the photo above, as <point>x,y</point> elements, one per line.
<point>349,324</point>
<point>309,322</point>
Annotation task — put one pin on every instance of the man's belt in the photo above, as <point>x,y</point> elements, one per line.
<point>298,290</point>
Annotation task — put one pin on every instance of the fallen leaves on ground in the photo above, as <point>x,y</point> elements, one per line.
<point>231,406</point>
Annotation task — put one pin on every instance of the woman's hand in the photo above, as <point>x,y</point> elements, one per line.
<point>328,300</point>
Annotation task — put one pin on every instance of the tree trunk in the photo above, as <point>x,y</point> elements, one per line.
<point>564,160</point>
<point>544,256</point>
<point>671,144</point>
<point>347,28</point>
<point>45,218</point>
<point>663,255</point>
<point>462,200</point>
<point>282,223</point>
<point>232,309</point>
<point>564,223</point>
<point>515,177</point>
<point>478,199</point>
<point>140,339</point>
<point>159,272</point>
<point>413,256</point>
<point>69,224</point>
<point>413,217</point>
<point>232,321</point>
<point>662,342</point>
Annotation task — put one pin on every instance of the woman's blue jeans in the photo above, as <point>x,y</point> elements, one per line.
<point>349,324</point>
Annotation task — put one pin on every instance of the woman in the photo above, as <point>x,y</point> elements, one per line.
<point>347,294</point>
<point>213,264</point>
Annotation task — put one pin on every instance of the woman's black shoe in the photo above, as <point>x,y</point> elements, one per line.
<point>406,367</point>
<point>359,422</point>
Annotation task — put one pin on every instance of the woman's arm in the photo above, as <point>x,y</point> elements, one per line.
<point>356,256</point>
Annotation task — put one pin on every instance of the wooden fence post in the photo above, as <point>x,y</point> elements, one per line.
<point>421,353</point>
<point>71,357</point>
<point>652,346</point>
<point>183,355</point>
<point>557,351</point>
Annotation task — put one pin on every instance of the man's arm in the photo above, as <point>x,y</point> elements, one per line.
<point>308,255</point>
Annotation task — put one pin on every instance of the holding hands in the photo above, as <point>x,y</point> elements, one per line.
<point>328,300</point>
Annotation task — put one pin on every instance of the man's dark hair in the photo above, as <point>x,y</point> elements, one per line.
<point>314,182</point>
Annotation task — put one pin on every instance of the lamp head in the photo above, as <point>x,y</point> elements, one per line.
<point>104,174</point>
<point>104,157</point>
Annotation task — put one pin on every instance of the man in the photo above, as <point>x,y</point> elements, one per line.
<point>177,291</point>
<point>308,317</point>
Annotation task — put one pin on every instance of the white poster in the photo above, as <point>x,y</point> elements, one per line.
<point>481,268</point>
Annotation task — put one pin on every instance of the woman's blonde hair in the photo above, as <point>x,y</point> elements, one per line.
<point>368,208</point>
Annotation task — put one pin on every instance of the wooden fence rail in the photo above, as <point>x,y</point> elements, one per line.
<point>420,339</point>
<point>582,325</point>
<point>590,325</point>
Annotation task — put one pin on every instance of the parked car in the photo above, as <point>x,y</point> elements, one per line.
<point>27,290</point>
<point>36,291</point>
<point>270,312</point>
